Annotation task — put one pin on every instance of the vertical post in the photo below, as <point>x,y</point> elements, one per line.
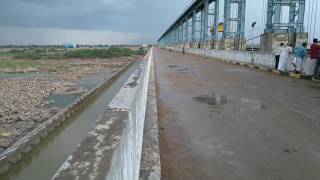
<point>227,7</point>
<point>292,16</point>
<point>205,20</point>
<point>277,13</point>
<point>216,19</point>
<point>241,23</point>
<point>187,30</point>
<point>270,11</point>
<point>194,24</point>
<point>201,25</point>
<point>242,17</point>
<point>302,7</point>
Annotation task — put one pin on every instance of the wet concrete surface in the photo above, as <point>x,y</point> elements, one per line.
<point>220,121</point>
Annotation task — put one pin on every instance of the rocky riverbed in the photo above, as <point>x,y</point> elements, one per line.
<point>24,102</point>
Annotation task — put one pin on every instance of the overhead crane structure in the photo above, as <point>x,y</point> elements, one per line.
<point>296,16</point>
<point>197,26</point>
<point>289,30</point>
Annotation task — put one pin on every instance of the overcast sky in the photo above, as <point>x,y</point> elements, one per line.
<point>95,21</point>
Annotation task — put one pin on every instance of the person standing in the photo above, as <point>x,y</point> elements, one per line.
<point>314,56</point>
<point>284,57</point>
<point>299,54</point>
<point>277,54</point>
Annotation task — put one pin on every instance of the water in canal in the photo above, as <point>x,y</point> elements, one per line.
<point>45,159</point>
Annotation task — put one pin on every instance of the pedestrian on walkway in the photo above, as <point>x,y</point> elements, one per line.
<point>277,54</point>
<point>284,58</point>
<point>299,54</point>
<point>314,56</point>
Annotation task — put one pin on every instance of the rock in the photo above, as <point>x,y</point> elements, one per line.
<point>4,143</point>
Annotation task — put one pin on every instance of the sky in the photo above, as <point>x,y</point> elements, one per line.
<point>97,21</point>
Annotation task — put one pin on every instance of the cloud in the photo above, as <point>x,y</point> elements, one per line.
<point>150,18</point>
<point>26,36</point>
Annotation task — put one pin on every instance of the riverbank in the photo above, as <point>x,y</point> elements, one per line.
<point>25,97</point>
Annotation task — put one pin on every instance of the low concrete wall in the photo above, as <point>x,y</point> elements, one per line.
<point>150,160</point>
<point>25,145</point>
<point>112,150</point>
<point>256,58</point>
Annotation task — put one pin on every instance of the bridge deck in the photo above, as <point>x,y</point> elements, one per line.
<point>223,121</point>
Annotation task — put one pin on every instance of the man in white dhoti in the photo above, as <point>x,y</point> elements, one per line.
<point>284,57</point>
<point>299,54</point>
<point>278,51</point>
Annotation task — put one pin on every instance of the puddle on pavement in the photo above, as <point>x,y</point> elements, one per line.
<point>173,66</point>
<point>252,104</point>
<point>236,70</point>
<point>182,70</point>
<point>213,99</point>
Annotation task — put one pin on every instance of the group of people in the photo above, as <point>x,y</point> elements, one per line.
<point>300,53</point>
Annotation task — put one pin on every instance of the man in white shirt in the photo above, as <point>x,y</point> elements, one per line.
<point>277,54</point>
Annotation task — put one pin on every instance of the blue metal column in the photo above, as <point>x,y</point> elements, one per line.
<point>216,19</point>
<point>301,12</point>
<point>186,30</point>
<point>204,21</point>
<point>194,24</point>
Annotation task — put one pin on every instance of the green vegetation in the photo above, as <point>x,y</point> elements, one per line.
<point>111,52</point>
<point>19,63</point>
<point>52,53</point>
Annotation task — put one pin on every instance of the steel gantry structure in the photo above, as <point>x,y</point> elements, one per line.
<point>197,26</point>
<point>278,30</point>
<point>193,26</point>
<point>296,16</point>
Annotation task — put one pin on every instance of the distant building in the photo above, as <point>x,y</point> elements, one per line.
<point>70,45</point>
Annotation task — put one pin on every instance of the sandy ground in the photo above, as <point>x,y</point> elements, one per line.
<point>224,122</point>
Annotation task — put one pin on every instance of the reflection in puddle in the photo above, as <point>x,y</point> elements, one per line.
<point>213,99</point>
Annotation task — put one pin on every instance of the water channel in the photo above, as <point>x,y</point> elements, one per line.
<point>45,159</point>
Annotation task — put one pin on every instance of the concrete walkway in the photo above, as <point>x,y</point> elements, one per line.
<point>226,122</point>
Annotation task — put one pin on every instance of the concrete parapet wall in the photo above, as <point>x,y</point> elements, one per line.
<point>257,58</point>
<point>25,144</point>
<point>150,161</point>
<point>112,150</point>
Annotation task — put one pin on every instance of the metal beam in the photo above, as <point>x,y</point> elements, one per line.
<point>296,16</point>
